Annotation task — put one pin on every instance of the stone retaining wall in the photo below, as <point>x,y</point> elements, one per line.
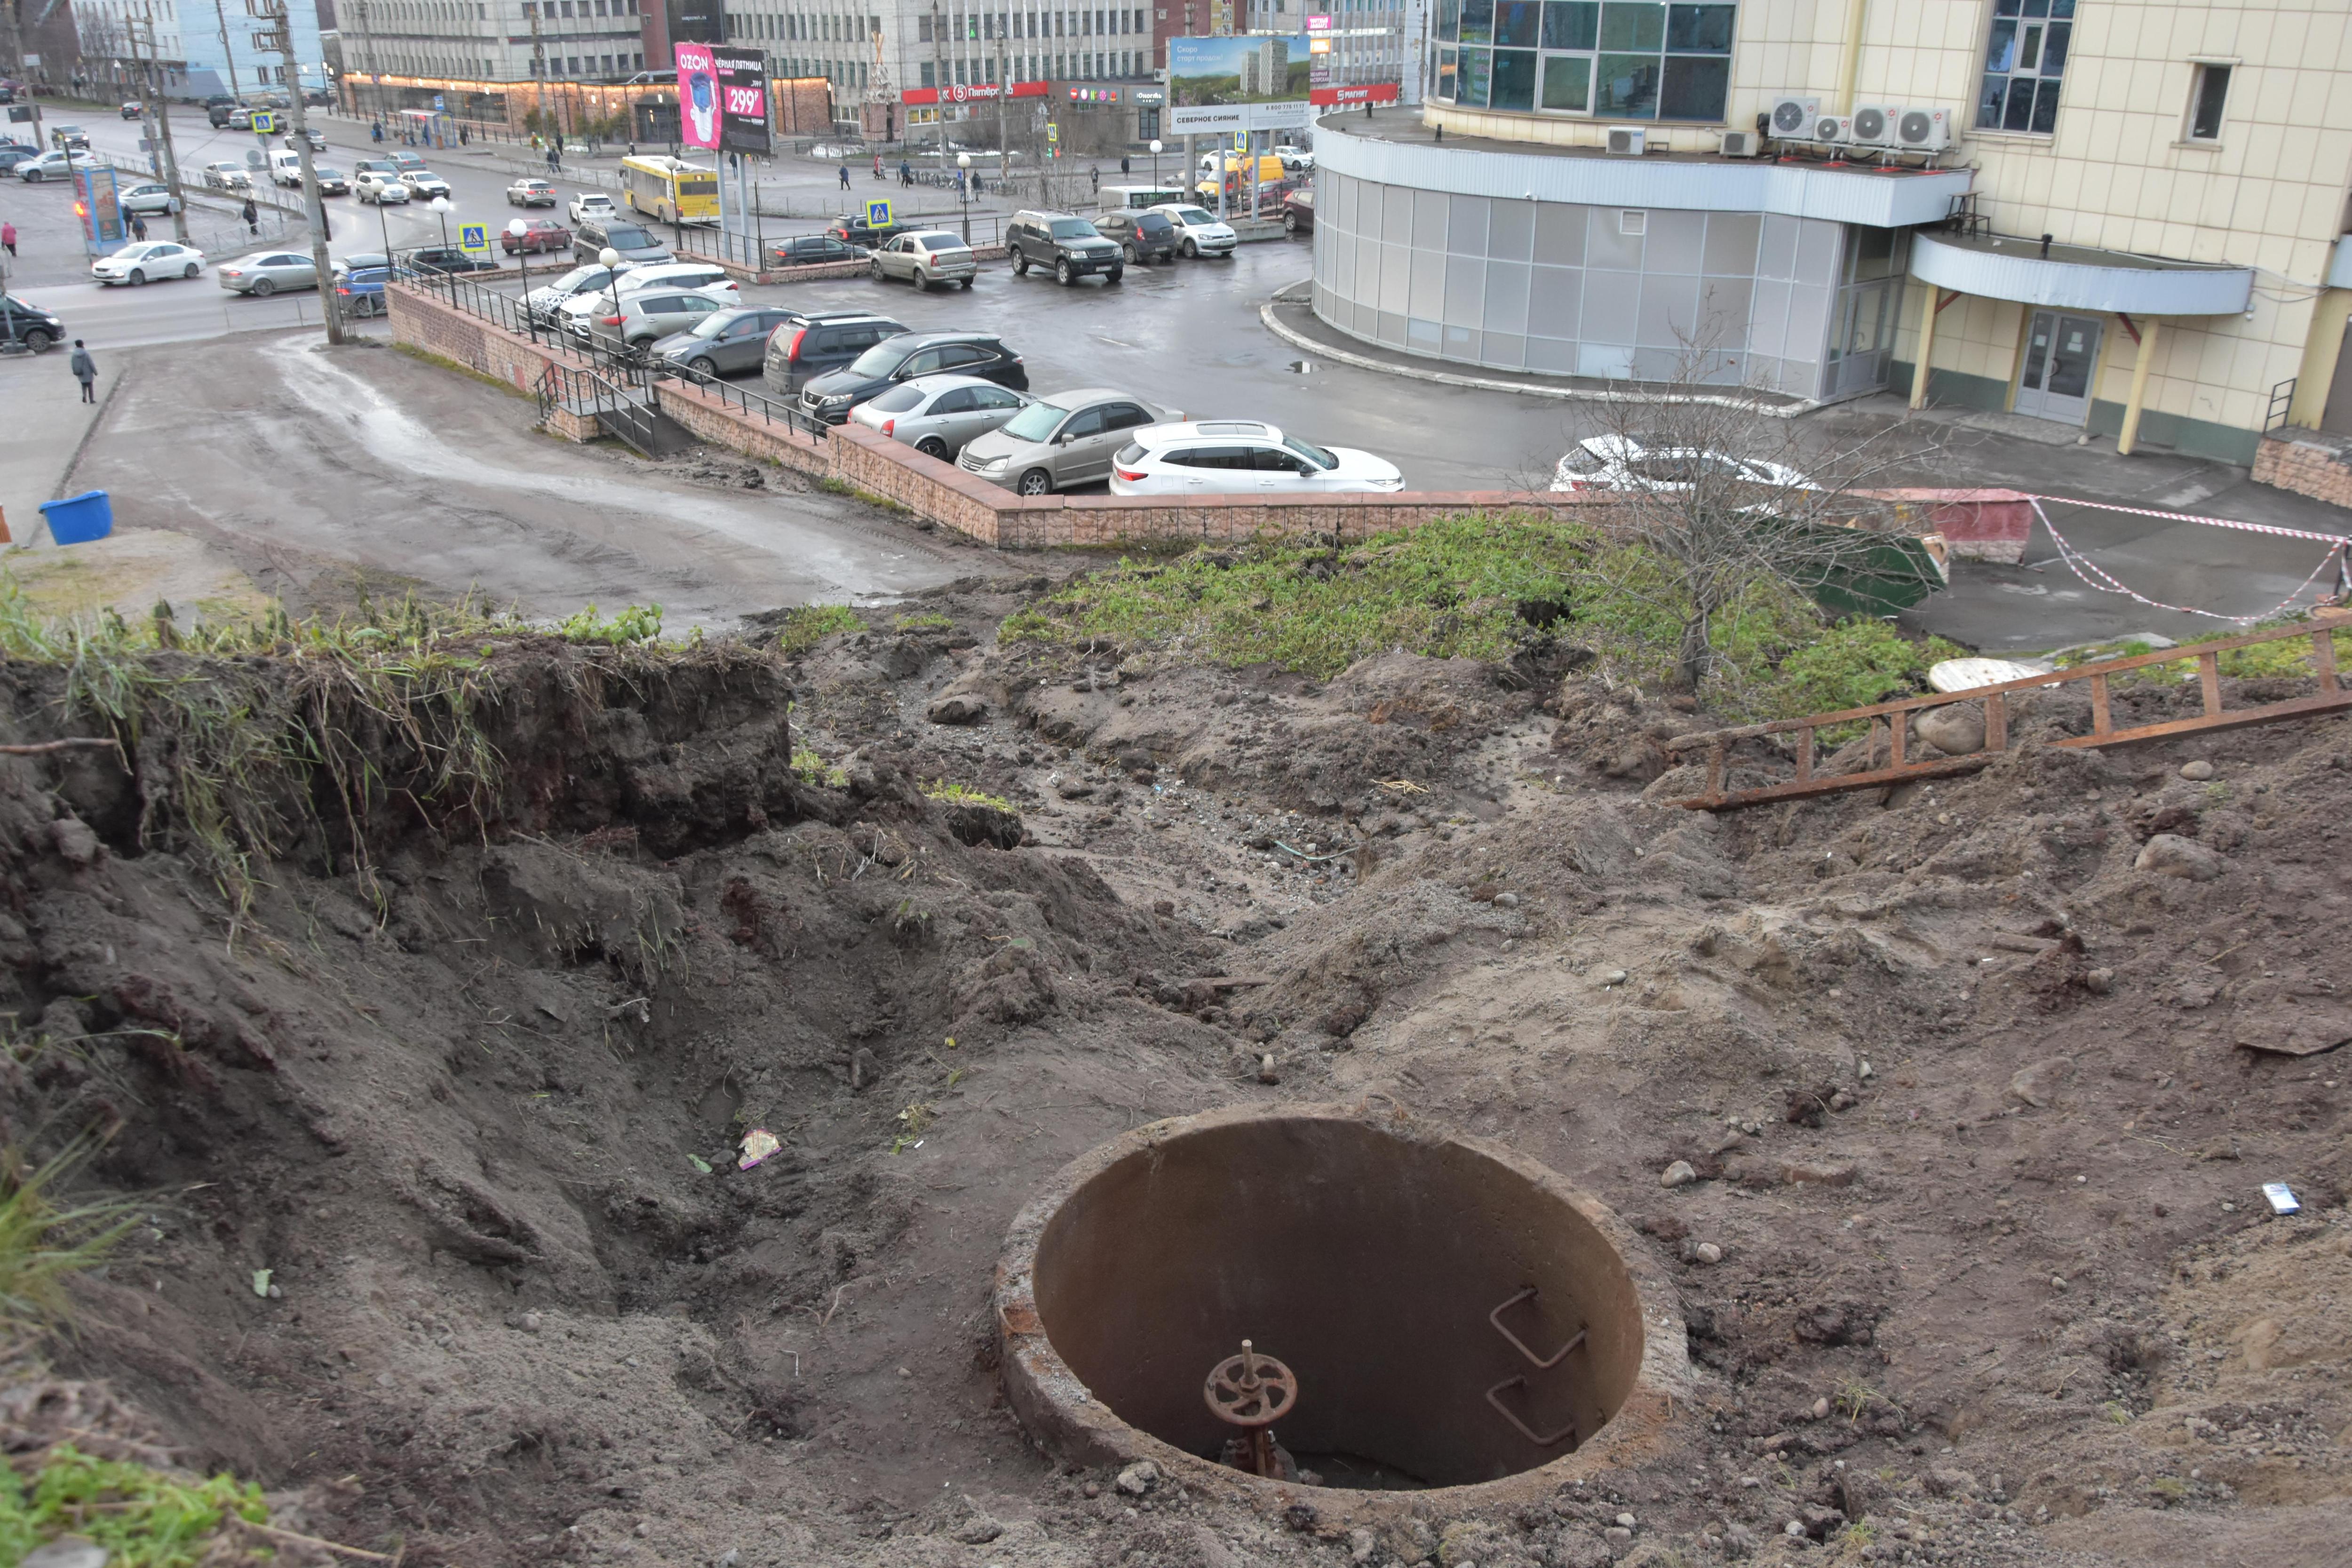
<point>2309,462</point>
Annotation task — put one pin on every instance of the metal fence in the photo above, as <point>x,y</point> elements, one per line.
<point>606,371</point>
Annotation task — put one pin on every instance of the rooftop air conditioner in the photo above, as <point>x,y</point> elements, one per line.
<point>1627,141</point>
<point>1874,124</point>
<point>1740,143</point>
<point>1793,116</point>
<point>1835,129</point>
<point>1919,129</point>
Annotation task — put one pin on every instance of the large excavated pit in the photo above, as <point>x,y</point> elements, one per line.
<point>1454,1315</point>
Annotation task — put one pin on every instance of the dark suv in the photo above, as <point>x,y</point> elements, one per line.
<point>857,231</point>
<point>813,250</point>
<point>1141,236</point>
<point>832,396</point>
<point>822,341</point>
<point>1064,242</point>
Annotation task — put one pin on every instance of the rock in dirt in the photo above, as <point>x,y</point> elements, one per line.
<point>2170,855</point>
<point>2196,772</point>
<point>1138,1478</point>
<point>1948,1483</point>
<point>865,1069</point>
<point>1707,1252</point>
<point>1819,1172</point>
<point>76,840</point>
<point>1681,1173</point>
<point>979,1530</point>
<point>2037,1083</point>
<point>1956,728</point>
<point>961,708</point>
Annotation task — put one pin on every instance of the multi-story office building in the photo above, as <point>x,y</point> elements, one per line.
<point>494,40</point>
<point>2123,214</point>
<point>201,46</point>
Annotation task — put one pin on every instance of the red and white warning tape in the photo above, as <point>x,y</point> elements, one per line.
<point>2097,577</point>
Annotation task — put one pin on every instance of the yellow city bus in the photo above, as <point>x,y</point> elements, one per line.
<point>670,189</point>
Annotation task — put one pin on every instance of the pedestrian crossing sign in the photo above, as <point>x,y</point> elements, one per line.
<point>265,123</point>
<point>474,238</point>
<point>877,215</point>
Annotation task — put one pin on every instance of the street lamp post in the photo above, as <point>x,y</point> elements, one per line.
<point>442,209</point>
<point>963,185</point>
<point>521,232</point>
<point>610,259</point>
<point>1155,165</point>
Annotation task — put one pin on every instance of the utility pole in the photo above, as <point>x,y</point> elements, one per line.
<point>280,40</point>
<point>532,8</point>
<point>155,105</point>
<point>220,15</point>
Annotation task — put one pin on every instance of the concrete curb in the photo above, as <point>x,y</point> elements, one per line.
<point>1447,378</point>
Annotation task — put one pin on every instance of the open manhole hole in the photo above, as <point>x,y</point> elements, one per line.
<point>1421,1310</point>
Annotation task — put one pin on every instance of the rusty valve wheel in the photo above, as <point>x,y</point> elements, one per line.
<point>1250,1389</point>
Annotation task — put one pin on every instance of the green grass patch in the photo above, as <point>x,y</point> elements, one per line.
<point>924,621</point>
<point>44,1242</point>
<point>812,624</point>
<point>638,623</point>
<point>143,1517</point>
<point>811,768</point>
<point>1478,587</point>
<point>964,794</point>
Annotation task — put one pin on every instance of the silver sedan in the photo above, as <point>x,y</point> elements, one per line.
<point>271,272</point>
<point>925,258</point>
<point>936,414</point>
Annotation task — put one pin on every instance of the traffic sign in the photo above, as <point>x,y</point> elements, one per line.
<point>474,238</point>
<point>265,123</point>
<point>877,215</point>
<point>1053,132</point>
<point>437,104</point>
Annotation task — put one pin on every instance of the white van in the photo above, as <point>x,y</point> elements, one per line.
<point>286,168</point>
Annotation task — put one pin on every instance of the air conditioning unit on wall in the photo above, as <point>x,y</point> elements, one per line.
<point>1922,130</point>
<point>1874,124</point>
<point>1792,118</point>
<point>1834,129</point>
<point>1741,144</point>
<point>1627,141</point>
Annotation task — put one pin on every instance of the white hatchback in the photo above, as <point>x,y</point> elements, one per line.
<point>1198,231</point>
<point>1242,456</point>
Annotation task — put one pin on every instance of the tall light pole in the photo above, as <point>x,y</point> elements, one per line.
<point>1155,165</point>
<point>280,40</point>
<point>441,208</point>
<point>157,105</point>
<point>963,185</point>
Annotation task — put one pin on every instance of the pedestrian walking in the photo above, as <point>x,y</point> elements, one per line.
<point>375,132</point>
<point>1123,169</point>
<point>878,162</point>
<point>85,370</point>
<point>844,176</point>
<point>252,216</point>
<point>465,136</point>
<point>138,226</point>
<point>1095,175</point>
<point>905,174</point>
<point>8,239</point>
<point>554,157</point>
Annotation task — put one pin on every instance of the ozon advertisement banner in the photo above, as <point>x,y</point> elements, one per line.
<point>976,92</point>
<point>697,96</point>
<point>742,100</point>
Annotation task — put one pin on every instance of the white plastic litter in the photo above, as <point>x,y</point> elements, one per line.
<point>1967,674</point>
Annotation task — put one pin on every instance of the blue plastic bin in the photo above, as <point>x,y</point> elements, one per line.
<point>78,519</point>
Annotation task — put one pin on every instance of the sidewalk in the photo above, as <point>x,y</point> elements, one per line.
<point>47,422</point>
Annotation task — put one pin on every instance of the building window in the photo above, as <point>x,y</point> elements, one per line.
<point>1617,59</point>
<point>2023,60</point>
<point>930,78</point>
<point>2207,99</point>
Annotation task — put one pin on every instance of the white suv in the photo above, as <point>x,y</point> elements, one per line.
<point>1242,456</point>
<point>1198,231</point>
<point>593,204</point>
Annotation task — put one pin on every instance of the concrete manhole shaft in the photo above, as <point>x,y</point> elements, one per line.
<point>1417,1309</point>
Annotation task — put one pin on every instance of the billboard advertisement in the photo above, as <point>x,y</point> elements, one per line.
<point>977,92</point>
<point>1252,68</point>
<point>742,99</point>
<point>697,96</point>
<point>694,21</point>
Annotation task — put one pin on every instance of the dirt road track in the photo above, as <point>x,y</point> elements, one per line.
<point>306,463</point>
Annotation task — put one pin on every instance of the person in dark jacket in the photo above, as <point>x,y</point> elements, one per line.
<point>252,216</point>
<point>85,371</point>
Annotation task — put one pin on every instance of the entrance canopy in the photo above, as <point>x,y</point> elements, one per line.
<point>2078,278</point>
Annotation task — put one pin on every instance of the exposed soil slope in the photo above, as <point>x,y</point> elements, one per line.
<point>1975,1258</point>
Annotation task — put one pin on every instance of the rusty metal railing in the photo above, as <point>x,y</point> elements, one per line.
<point>1892,720</point>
